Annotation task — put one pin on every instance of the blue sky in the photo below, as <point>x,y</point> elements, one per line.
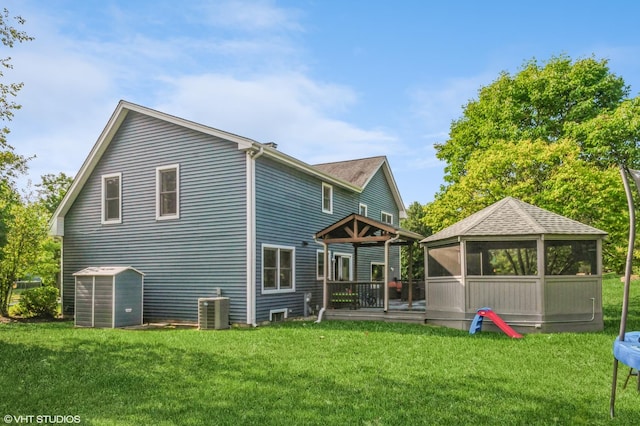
<point>327,80</point>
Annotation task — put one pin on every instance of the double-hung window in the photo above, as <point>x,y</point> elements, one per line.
<point>112,198</point>
<point>386,218</point>
<point>168,192</point>
<point>327,198</point>
<point>278,268</point>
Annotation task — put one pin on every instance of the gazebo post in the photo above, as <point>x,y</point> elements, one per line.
<point>387,243</point>
<point>410,275</point>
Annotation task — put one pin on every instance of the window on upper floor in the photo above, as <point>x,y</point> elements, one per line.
<point>168,192</point>
<point>327,198</point>
<point>386,218</point>
<point>278,268</point>
<point>362,210</point>
<point>112,198</point>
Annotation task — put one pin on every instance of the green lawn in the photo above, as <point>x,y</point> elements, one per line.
<point>302,373</point>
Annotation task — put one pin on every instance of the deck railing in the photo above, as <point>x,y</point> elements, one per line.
<point>356,294</point>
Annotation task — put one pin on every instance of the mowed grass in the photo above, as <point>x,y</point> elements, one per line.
<point>302,373</point>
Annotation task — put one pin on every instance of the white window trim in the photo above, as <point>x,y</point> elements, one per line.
<point>320,253</point>
<point>334,257</point>
<point>330,187</point>
<point>158,170</point>
<point>103,220</point>
<point>366,209</point>
<point>382,213</point>
<point>293,269</point>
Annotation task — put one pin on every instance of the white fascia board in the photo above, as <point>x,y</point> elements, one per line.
<point>308,169</point>
<point>89,164</point>
<point>104,140</point>
<point>243,143</point>
<point>386,169</point>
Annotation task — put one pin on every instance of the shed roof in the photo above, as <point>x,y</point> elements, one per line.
<point>511,216</point>
<point>105,271</point>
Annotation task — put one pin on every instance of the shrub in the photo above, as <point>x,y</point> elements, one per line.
<point>39,302</point>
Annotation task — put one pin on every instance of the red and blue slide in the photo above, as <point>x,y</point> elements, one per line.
<point>476,324</point>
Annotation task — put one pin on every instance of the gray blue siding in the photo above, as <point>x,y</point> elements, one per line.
<point>182,259</point>
<point>378,198</point>
<point>289,212</point>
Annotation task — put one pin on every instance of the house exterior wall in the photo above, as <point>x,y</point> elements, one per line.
<point>378,198</point>
<point>288,213</point>
<point>183,259</point>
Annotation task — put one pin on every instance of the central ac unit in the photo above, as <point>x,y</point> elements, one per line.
<point>213,313</point>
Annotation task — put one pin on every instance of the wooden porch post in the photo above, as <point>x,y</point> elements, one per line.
<point>355,263</point>
<point>325,278</point>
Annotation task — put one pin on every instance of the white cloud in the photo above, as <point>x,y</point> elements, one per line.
<point>251,16</point>
<point>289,109</point>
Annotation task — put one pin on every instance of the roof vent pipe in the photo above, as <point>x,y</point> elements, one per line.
<point>272,145</point>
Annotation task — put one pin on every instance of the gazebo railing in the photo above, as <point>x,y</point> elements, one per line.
<point>355,294</point>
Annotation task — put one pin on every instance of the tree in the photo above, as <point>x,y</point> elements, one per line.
<point>52,190</point>
<point>415,222</point>
<point>11,163</point>
<point>541,102</point>
<point>26,235</point>
<point>549,135</point>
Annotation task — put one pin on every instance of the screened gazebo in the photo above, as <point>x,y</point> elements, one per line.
<point>537,270</point>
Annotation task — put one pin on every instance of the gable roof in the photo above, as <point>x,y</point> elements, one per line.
<point>511,216</point>
<point>357,229</point>
<point>123,109</point>
<point>360,172</point>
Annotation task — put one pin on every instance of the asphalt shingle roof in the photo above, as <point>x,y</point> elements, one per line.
<point>511,216</point>
<point>357,172</point>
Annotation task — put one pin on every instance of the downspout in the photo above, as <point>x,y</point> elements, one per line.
<point>325,273</point>
<point>251,236</point>
<point>386,271</point>
<point>61,275</point>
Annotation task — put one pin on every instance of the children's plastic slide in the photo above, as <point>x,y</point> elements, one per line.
<point>476,324</point>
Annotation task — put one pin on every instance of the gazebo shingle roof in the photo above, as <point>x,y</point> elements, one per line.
<point>511,216</point>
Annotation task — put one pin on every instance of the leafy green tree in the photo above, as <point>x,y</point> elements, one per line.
<point>11,163</point>
<point>52,190</point>
<point>540,136</point>
<point>27,233</point>
<point>415,222</point>
<point>541,102</point>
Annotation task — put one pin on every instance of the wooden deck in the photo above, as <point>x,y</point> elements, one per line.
<point>398,312</point>
<point>416,317</point>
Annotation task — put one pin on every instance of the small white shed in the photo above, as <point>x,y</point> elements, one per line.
<point>108,297</point>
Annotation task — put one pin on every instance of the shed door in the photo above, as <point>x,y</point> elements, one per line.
<point>84,301</point>
<point>103,302</point>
